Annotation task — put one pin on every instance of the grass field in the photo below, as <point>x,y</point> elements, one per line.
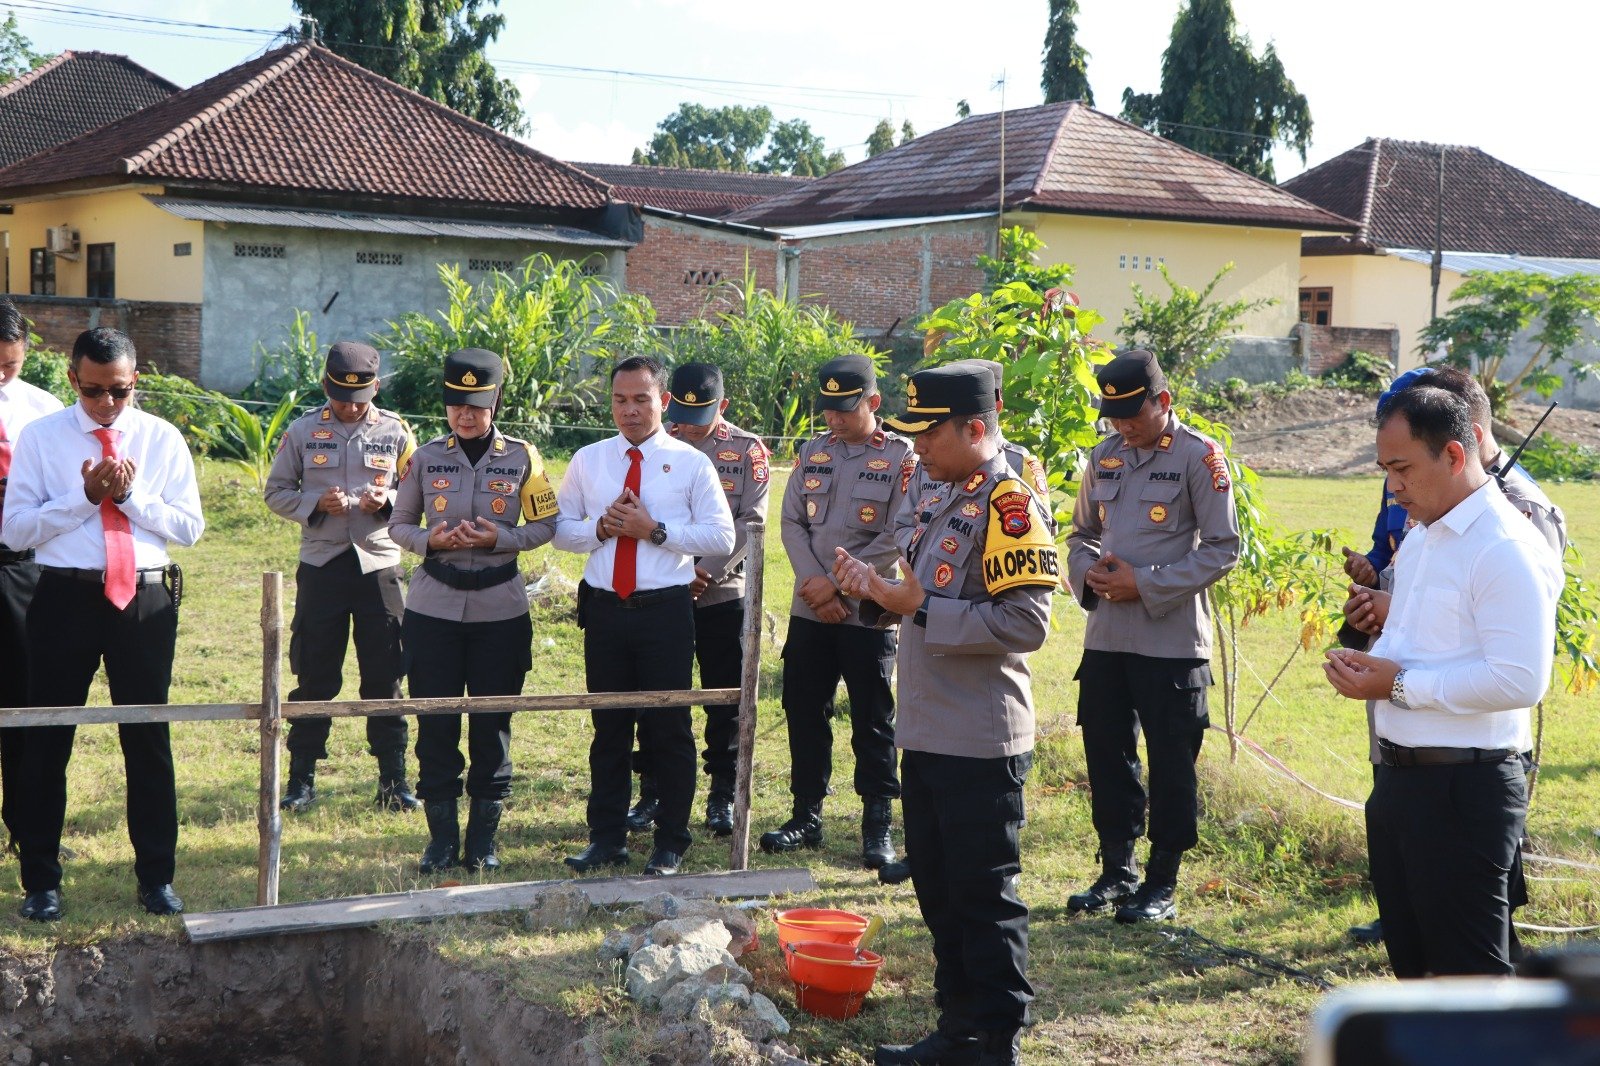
<point>1279,870</point>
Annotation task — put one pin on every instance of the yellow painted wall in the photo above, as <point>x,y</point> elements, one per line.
<point>1380,292</point>
<point>144,235</point>
<point>1266,263</point>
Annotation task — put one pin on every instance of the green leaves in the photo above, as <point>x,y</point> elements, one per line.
<point>1187,331</point>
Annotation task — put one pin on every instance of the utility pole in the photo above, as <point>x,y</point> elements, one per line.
<point>1438,239</point>
<point>1000,208</point>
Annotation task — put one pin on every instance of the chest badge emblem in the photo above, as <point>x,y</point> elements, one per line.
<point>942,575</point>
<point>440,503</point>
<point>1158,513</point>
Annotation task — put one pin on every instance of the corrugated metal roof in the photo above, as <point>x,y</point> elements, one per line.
<point>309,218</point>
<point>1461,262</point>
<point>861,225</point>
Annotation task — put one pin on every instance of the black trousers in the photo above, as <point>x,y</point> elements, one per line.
<point>815,656</point>
<point>628,649</point>
<point>1120,695</point>
<point>17,582</point>
<point>1441,843</point>
<point>720,652</point>
<point>71,628</point>
<point>329,600</point>
<point>449,659</point>
<point>962,819</point>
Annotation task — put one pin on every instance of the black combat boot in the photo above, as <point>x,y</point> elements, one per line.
<point>1153,901</point>
<point>938,1048</point>
<point>877,814</point>
<point>483,821</point>
<point>1119,879</point>
<point>302,784</point>
<point>719,806</point>
<point>394,794</point>
<point>642,816</point>
<point>444,836</point>
<point>894,873</point>
<point>1000,1047</point>
<point>803,829</point>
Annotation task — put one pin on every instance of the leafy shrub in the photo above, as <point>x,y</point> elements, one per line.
<point>1361,372</point>
<point>48,370</point>
<point>183,403</point>
<point>1550,459</point>
<point>1187,331</point>
<point>294,366</point>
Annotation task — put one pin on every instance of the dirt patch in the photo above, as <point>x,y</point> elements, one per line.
<point>346,998</point>
<point>1328,432</point>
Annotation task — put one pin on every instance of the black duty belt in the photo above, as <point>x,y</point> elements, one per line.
<point>469,580</point>
<point>1394,755</point>
<point>150,575</point>
<point>641,597</point>
<point>7,556</point>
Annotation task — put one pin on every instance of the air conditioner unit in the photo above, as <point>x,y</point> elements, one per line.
<point>62,241</point>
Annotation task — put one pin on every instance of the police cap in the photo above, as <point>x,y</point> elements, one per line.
<point>351,372</point>
<point>943,392</point>
<point>472,378</point>
<point>844,381</point>
<point>1127,381</point>
<point>696,395</point>
<point>996,370</point>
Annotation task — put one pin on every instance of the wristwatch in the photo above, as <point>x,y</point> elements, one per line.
<point>921,617</point>
<point>658,535</point>
<point>1397,691</point>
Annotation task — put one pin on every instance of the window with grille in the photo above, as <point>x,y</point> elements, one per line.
<point>41,272</point>
<point>102,275</point>
<point>1316,306</point>
<point>384,259</point>
<point>257,251</point>
<point>702,277</point>
<point>491,264</point>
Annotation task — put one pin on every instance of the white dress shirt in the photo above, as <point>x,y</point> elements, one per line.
<point>21,403</point>
<point>1473,624</point>
<point>677,485</point>
<point>46,508</point>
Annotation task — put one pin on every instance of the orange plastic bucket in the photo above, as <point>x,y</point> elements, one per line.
<point>831,980</point>
<point>819,926</point>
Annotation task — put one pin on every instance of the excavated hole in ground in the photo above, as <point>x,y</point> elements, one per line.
<point>343,998</point>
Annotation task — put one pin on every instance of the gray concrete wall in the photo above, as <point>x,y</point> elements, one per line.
<point>1256,360</point>
<point>250,300</point>
<point>1582,392</point>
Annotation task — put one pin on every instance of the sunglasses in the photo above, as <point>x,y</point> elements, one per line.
<point>94,392</point>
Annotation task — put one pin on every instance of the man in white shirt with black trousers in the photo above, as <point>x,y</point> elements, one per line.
<point>1465,653</point>
<point>100,491</point>
<point>643,506</point>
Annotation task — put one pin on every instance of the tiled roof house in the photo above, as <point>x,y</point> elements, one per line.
<point>69,95</point>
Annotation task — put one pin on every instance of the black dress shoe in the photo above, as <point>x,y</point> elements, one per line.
<point>935,1049</point>
<point>1371,933</point>
<point>160,899</point>
<point>597,855</point>
<point>42,906</point>
<point>894,873</point>
<point>663,863</point>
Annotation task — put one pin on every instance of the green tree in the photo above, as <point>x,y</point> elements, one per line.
<point>17,56</point>
<point>1532,320</point>
<point>1218,98</point>
<point>881,139</point>
<point>1066,64</point>
<point>794,149</point>
<point>1187,331</point>
<point>908,132</point>
<point>963,109</point>
<point>708,138</point>
<point>1019,261</point>
<point>433,46</point>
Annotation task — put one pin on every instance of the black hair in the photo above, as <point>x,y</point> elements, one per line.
<point>648,363</point>
<point>104,346</point>
<point>13,327</point>
<point>1435,416</point>
<point>1458,383</point>
<point>990,421</point>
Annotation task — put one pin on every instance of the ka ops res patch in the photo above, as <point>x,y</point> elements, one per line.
<point>1018,549</point>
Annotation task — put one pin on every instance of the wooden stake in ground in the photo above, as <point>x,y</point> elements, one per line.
<point>269,822</point>
<point>749,689</point>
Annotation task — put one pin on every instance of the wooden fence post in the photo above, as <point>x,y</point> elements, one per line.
<point>269,822</point>
<point>749,690</point>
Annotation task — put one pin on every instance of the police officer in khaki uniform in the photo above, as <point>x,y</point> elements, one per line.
<point>696,416</point>
<point>983,569</point>
<point>469,503</point>
<point>1153,527</point>
<point>335,475</point>
<point>847,490</point>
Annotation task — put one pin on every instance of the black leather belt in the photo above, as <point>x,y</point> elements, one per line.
<point>1394,755</point>
<point>641,597</point>
<point>8,556</point>
<point>469,580</point>
<point>150,575</point>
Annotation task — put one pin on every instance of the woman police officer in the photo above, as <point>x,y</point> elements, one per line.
<point>470,501</point>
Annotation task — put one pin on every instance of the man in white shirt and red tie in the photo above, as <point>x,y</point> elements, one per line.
<point>1465,652</point>
<point>20,403</point>
<point>100,491</point>
<point>642,505</point>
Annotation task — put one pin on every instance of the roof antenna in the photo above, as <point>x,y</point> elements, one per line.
<point>309,29</point>
<point>999,217</point>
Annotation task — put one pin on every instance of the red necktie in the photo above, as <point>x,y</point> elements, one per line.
<point>120,575</point>
<point>625,569</point>
<point>5,459</point>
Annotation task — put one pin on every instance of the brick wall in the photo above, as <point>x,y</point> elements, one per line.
<point>883,279</point>
<point>1325,347</point>
<point>167,335</point>
<point>677,265</point>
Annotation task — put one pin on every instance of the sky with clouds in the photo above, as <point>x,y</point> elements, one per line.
<point>596,77</point>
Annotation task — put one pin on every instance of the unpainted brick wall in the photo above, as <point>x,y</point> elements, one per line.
<point>890,278</point>
<point>166,335</point>
<point>675,265</point>
<point>1325,347</point>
